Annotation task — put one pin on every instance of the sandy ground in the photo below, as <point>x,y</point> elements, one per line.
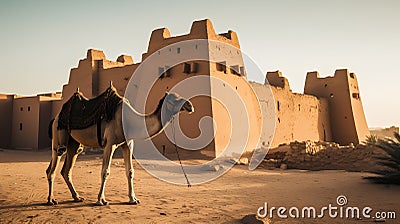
<point>23,192</point>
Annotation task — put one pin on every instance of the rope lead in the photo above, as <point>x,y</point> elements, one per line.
<point>177,153</point>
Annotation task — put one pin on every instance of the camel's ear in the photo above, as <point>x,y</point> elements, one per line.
<point>111,83</point>
<point>166,93</point>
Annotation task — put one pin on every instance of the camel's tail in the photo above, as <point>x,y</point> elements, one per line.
<point>50,130</point>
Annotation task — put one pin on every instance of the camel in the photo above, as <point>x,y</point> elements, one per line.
<point>110,136</point>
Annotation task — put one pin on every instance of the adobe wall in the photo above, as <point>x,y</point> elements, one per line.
<point>299,117</point>
<point>87,76</point>
<point>56,106</point>
<point>46,104</point>
<point>80,77</point>
<point>30,121</point>
<point>121,75</point>
<point>25,123</point>
<point>231,56</point>
<point>173,74</point>
<point>238,86</point>
<point>223,120</point>
<point>94,73</point>
<point>346,112</point>
<point>6,115</point>
<point>267,104</point>
<point>189,124</point>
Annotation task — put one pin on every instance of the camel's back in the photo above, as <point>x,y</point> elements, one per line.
<point>80,113</point>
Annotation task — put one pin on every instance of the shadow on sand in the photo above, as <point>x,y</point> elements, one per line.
<point>60,205</point>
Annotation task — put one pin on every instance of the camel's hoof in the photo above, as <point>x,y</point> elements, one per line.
<point>135,201</point>
<point>101,202</point>
<point>52,202</point>
<point>79,199</point>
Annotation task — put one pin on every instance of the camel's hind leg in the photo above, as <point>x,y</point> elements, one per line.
<point>105,172</point>
<point>55,160</point>
<point>127,150</point>
<point>66,171</point>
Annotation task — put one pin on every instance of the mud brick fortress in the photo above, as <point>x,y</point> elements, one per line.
<point>329,110</point>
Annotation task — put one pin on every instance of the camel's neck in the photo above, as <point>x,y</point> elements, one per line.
<point>153,122</point>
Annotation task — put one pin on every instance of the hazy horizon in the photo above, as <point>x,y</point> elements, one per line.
<point>43,40</point>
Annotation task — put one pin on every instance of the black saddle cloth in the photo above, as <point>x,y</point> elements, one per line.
<point>80,113</point>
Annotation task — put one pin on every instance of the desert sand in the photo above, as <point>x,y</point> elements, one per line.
<point>23,193</point>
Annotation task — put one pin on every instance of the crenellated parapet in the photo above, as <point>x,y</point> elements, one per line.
<point>276,79</point>
<point>202,29</point>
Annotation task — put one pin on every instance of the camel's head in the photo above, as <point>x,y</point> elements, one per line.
<point>176,104</point>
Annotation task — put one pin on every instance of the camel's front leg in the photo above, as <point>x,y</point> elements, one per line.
<point>66,171</point>
<point>127,150</point>
<point>105,172</point>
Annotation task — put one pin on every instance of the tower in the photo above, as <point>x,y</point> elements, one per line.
<point>348,123</point>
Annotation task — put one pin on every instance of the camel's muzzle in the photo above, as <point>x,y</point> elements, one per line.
<point>188,107</point>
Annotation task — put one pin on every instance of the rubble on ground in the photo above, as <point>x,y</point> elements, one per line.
<point>310,155</point>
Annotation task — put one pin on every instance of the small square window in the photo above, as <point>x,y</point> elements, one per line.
<point>221,66</point>
<point>235,69</point>
<point>178,50</point>
<point>21,109</point>
<point>186,68</point>
<point>356,96</point>
<point>194,67</point>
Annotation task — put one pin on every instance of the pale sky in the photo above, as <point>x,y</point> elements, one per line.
<point>42,40</point>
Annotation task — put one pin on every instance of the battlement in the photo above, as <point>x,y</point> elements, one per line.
<point>276,79</point>
<point>97,57</point>
<point>93,55</point>
<point>202,29</point>
<point>339,74</point>
<point>125,59</point>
